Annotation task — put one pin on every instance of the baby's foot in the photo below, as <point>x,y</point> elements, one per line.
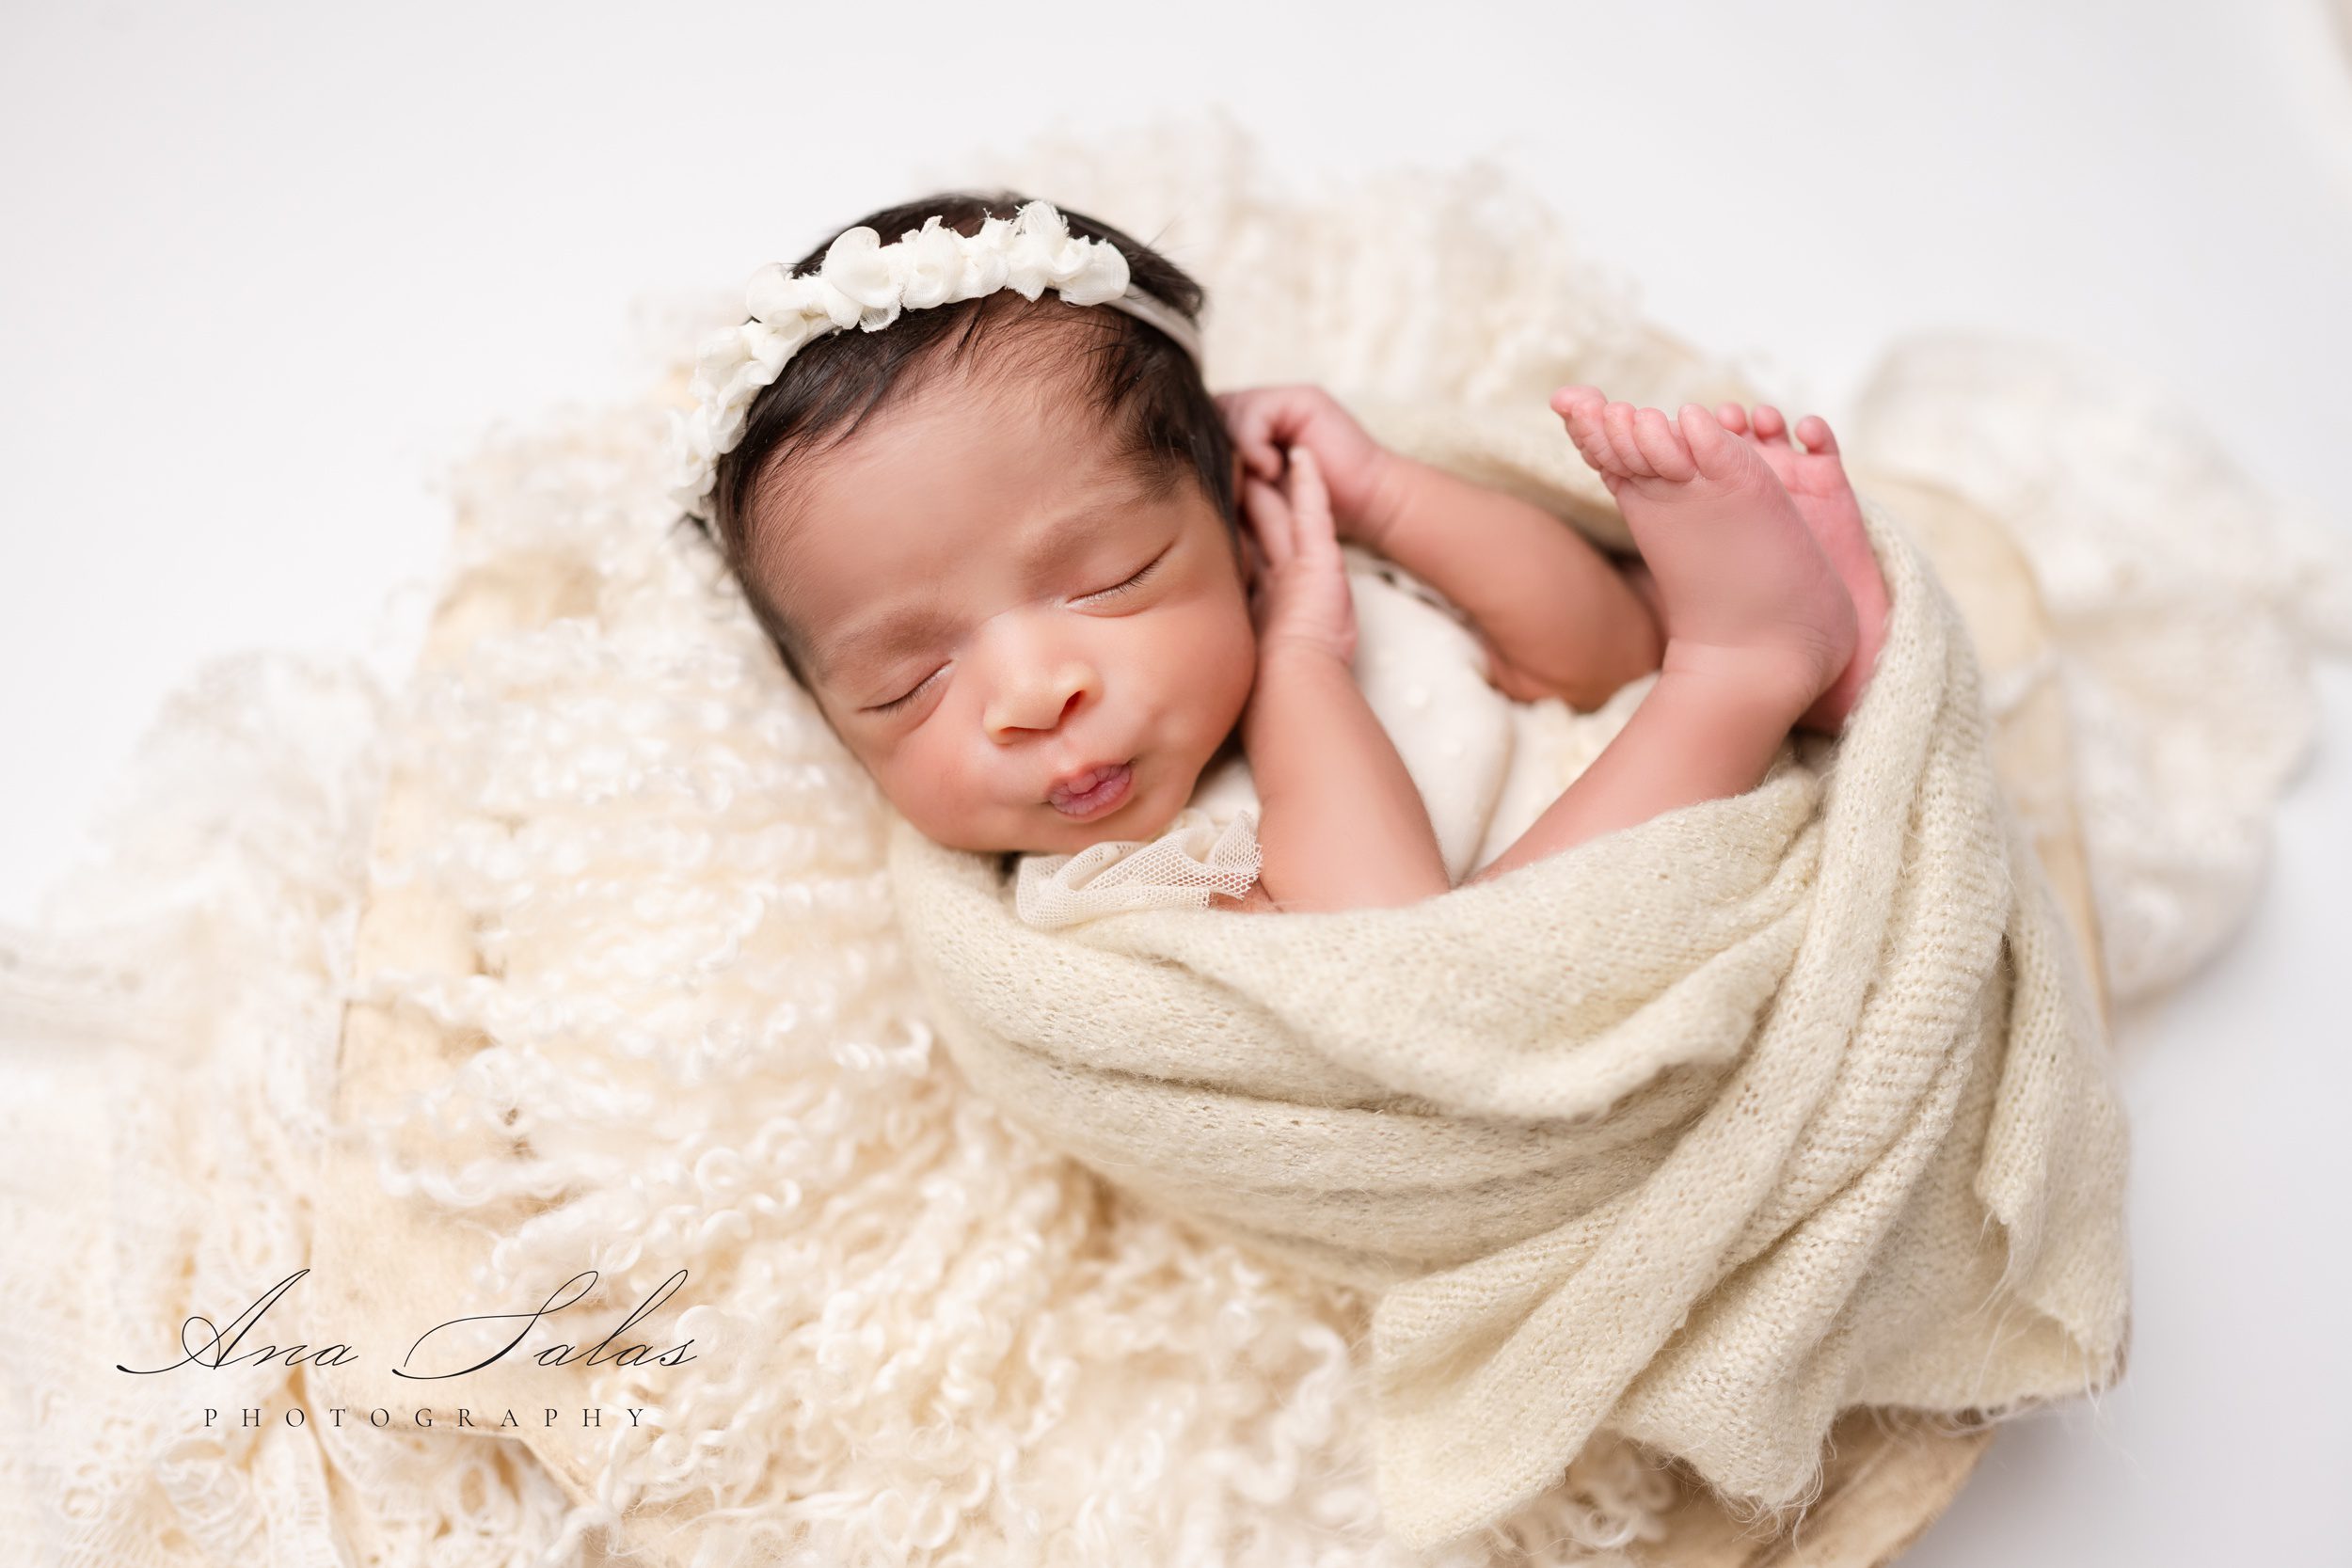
<point>1744,586</point>
<point>1816,480</point>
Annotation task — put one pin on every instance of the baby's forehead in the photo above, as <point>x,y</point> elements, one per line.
<point>956,432</point>
<point>925,507</point>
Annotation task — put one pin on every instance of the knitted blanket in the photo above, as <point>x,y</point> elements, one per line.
<point>1702,1132</point>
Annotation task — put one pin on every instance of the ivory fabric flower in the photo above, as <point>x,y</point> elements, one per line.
<point>858,271</point>
<point>930,264</point>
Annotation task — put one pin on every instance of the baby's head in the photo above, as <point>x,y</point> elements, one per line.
<point>997,541</point>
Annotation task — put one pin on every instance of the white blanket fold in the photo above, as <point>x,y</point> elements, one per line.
<point>1702,1132</point>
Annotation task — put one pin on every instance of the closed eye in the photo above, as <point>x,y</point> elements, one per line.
<point>1128,586</point>
<point>909,695</point>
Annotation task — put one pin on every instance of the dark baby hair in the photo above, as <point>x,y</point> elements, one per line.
<point>1146,390</point>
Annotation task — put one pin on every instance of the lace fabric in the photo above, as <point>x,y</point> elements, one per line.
<point>1195,859</point>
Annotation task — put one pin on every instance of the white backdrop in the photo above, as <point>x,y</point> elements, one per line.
<point>262,275</point>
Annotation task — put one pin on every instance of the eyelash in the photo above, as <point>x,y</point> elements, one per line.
<point>1149,567</point>
<point>897,703</point>
<point>916,689</point>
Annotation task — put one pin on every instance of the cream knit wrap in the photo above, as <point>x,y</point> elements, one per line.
<point>1701,1133</point>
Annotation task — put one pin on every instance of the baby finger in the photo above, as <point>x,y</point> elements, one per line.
<point>1312,533</point>
<point>1250,423</point>
<point>1270,518</point>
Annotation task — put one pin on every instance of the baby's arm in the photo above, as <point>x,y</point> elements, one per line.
<point>1556,616</point>
<point>1340,822</point>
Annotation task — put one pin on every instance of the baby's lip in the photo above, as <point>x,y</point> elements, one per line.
<point>1074,785</point>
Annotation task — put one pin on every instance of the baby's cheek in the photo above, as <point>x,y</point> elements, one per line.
<point>951,787</point>
<point>1226,662</point>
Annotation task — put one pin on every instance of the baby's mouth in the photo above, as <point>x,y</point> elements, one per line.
<point>1095,792</point>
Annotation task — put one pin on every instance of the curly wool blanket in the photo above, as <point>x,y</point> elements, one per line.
<point>1703,1130</point>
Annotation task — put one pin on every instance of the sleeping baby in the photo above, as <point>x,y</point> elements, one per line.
<point>1038,580</point>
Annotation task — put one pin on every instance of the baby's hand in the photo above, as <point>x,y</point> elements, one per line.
<point>1264,420</point>
<point>1299,592</point>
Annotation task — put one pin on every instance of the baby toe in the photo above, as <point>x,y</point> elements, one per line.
<point>1714,450</point>
<point>1617,420</point>
<point>1663,449</point>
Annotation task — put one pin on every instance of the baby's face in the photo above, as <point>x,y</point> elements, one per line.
<point>991,605</point>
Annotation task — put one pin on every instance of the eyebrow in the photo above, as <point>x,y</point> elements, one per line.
<point>888,635</point>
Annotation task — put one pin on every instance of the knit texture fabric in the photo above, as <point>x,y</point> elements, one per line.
<point>1703,1130</point>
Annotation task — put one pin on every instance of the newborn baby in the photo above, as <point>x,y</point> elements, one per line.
<point>1036,580</point>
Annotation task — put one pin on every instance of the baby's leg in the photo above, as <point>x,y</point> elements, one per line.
<point>1758,623</point>
<point>1815,478</point>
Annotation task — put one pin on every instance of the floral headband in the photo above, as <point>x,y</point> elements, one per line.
<point>866,283</point>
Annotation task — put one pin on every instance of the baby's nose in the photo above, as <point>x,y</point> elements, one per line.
<point>1039,704</point>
